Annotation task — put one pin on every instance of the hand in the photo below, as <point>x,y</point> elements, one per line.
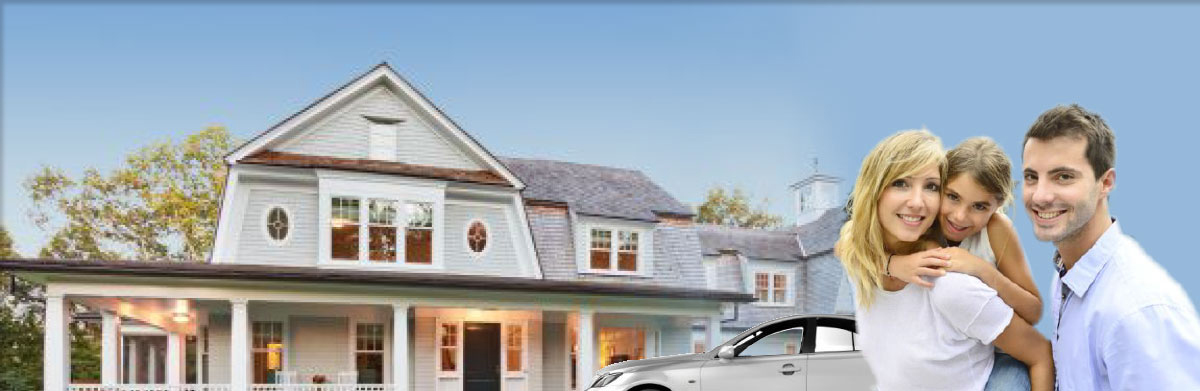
<point>910,268</point>
<point>964,262</point>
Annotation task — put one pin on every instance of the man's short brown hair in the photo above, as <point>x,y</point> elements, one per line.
<point>1076,122</point>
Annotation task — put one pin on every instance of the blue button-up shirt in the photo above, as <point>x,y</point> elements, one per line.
<point>1125,324</point>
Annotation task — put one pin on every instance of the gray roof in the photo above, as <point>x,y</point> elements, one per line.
<point>595,190</point>
<point>754,243</point>
<point>819,236</point>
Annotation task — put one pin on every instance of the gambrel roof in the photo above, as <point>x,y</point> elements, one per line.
<point>596,190</point>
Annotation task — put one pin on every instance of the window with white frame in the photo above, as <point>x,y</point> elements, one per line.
<point>513,347</point>
<point>609,255</point>
<point>277,224</point>
<point>343,227</point>
<point>267,351</point>
<point>771,288</point>
<point>368,353</point>
<point>418,235</point>
<point>375,224</point>
<point>448,343</point>
<point>381,230</point>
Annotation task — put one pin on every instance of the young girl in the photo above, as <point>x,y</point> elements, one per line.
<point>980,242</point>
<point>915,338</point>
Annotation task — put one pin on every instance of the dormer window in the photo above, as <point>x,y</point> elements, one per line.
<point>620,255</point>
<point>772,288</point>
<point>382,227</point>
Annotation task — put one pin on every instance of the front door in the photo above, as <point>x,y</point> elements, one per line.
<point>481,366</point>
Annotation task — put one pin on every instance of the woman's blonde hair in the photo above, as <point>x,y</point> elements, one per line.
<point>860,244</point>
<point>987,164</point>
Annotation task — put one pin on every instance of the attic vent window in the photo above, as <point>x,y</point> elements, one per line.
<point>277,224</point>
<point>477,237</point>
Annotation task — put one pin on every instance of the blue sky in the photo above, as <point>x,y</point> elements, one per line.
<point>694,96</point>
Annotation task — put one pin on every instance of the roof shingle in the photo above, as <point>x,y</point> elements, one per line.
<point>595,190</point>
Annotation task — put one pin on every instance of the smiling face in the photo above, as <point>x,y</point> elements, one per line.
<point>966,208</point>
<point>1061,193</point>
<point>908,205</point>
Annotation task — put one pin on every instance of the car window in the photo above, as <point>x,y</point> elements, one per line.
<point>834,339</point>
<point>776,339</point>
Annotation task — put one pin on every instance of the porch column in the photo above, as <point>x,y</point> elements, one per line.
<point>239,349</point>
<point>714,331</point>
<point>400,374</point>
<point>110,348</point>
<point>175,357</point>
<point>56,364</point>
<point>151,363</point>
<point>133,362</point>
<point>587,349</point>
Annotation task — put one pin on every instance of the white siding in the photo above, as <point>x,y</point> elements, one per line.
<point>300,248</point>
<point>319,345</point>
<point>218,348</point>
<point>500,257</point>
<point>424,364</point>
<point>346,134</point>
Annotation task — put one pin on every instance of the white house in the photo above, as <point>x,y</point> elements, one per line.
<point>370,242</point>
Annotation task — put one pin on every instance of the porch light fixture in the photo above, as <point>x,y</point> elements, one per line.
<point>180,317</point>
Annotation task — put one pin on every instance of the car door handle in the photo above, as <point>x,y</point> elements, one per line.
<point>788,369</point>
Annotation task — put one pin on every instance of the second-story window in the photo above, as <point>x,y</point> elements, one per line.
<point>381,226</point>
<point>619,255</point>
<point>418,236</point>
<point>771,288</point>
<point>344,228</point>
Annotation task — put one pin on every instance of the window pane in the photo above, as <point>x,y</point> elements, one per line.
<point>514,344</point>
<point>418,245</point>
<point>775,344</point>
<point>449,347</point>
<point>420,214</point>
<point>477,237</point>
<point>344,228</point>
<point>833,339</point>
<point>619,344</point>
<point>277,224</point>
<point>780,288</point>
<point>760,286</point>
<point>382,212</point>
<point>383,243</point>
<point>601,249</point>
<point>369,367</point>
<point>627,253</point>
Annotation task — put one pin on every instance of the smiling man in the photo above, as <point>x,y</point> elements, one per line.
<point>1122,322</point>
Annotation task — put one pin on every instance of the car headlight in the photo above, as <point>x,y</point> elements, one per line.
<point>606,379</point>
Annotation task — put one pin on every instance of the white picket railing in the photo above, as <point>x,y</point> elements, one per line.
<point>225,387</point>
<point>148,387</point>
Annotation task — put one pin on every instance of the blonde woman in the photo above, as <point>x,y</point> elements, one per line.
<point>913,337</point>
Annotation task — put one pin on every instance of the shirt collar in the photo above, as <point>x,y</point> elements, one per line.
<point>1083,274</point>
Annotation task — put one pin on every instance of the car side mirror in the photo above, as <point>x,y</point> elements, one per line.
<point>726,353</point>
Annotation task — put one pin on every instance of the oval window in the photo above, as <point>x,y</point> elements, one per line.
<point>278,224</point>
<point>477,237</point>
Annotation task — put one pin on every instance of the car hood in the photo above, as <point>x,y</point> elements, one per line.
<point>652,363</point>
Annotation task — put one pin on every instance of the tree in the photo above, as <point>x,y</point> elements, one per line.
<point>20,327</point>
<point>162,204</point>
<point>733,209</point>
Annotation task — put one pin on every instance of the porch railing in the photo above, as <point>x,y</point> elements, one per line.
<point>225,387</point>
<point>148,387</point>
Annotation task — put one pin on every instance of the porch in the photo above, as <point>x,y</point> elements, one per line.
<point>290,337</point>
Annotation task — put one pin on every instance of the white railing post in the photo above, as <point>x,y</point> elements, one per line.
<point>400,373</point>
<point>56,364</point>
<point>587,348</point>
<point>110,348</point>
<point>239,346</point>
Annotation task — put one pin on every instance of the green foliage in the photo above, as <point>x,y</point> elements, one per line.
<point>85,353</point>
<point>733,209</point>
<point>162,204</point>
<point>6,244</point>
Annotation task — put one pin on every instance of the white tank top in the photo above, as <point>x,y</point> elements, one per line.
<point>979,245</point>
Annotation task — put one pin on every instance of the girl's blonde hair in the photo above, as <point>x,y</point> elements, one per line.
<point>987,164</point>
<point>860,244</point>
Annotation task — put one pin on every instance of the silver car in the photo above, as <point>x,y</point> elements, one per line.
<point>794,353</point>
